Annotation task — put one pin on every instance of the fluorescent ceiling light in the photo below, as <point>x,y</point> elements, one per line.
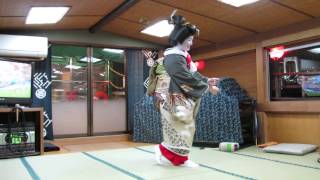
<point>315,50</point>
<point>159,29</point>
<point>238,3</point>
<point>46,15</point>
<point>93,59</point>
<point>58,57</point>
<point>118,51</point>
<point>73,67</point>
<point>58,90</point>
<point>57,72</point>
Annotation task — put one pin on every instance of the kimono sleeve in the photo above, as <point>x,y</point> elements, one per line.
<point>191,84</point>
<point>198,75</point>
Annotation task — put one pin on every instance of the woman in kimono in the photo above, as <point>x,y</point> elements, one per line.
<point>180,87</point>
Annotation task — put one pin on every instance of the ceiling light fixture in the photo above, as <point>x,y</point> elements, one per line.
<point>57,72</point>
<point>93,59</point>
<point>58,90</point>
<point>72,67</point>
<point>118,51</point>
<point>46,15</point>
<point>315,50</point>
<point>238,3</point>
<point>159,29</point>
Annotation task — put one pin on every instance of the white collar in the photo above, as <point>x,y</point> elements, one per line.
<point>175,50</point>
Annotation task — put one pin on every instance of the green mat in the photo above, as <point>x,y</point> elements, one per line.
<point>139,163</point>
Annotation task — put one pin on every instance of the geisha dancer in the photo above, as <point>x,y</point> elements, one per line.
<point>180,102</point>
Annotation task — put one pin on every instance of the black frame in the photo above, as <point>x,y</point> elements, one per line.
<point>7,101</point>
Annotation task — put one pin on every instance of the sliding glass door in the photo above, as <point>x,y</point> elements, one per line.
<point>88,91</point>
<point>69,90</point>
<point>108,91</point>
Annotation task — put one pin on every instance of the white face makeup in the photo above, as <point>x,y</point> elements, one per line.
<point>187,43</point>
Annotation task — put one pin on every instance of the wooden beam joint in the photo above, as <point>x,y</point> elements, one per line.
<point>112,15</point>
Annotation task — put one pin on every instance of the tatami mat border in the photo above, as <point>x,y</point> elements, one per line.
<point>209,167</point>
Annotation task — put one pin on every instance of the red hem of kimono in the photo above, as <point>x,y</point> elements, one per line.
<point>174,158</point>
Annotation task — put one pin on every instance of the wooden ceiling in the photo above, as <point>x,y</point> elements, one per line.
<point>217,22</point>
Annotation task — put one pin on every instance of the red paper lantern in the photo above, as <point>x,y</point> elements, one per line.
<point>276,53</point>
<point>200,64</point>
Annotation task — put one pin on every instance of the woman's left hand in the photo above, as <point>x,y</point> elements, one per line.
<point>213,81</point>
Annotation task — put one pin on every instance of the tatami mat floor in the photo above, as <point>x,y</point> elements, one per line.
<point>138,163</point>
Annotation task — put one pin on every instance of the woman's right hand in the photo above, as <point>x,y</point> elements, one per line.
<point>214,90</point>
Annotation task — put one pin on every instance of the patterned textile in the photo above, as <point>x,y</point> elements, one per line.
<point>147,122</point>
<point>230,87</point>
<point>177,118</point>
<point>218,118</point>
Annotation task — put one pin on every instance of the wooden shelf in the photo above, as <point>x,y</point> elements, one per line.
<point>311,106</point>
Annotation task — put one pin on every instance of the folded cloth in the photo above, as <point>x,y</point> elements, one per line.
<point>287,148</point>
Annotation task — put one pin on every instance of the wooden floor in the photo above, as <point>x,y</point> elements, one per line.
<point>84,144</point>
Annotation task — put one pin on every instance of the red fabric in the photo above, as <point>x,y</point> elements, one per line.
<point>101,95</point>
<point>188,59</point>
<point>72,95</point>
<point>174,158</point>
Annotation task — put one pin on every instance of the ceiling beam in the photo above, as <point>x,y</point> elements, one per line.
<point>113,14</point>
<point>291,8</point>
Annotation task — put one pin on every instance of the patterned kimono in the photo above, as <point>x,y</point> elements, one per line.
<point>181,88</point>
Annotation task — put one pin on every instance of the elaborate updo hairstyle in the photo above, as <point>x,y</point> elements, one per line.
<point>182,30</point>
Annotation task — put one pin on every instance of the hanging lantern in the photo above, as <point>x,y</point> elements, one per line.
<point>200,64</point>
<point>276,53</point>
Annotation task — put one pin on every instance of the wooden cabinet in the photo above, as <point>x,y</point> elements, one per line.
<point>21,132</point>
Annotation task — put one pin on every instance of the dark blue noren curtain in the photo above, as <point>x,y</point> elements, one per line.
<point>135,75</point>
<point>41,93</point>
